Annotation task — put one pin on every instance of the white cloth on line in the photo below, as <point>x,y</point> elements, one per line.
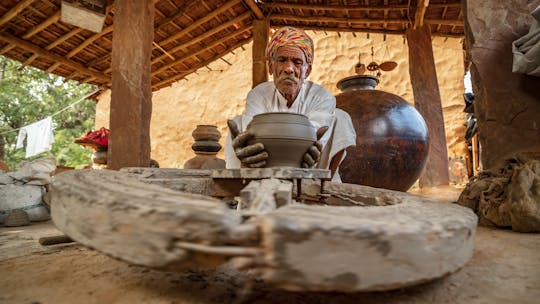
<point>314,101</point>
<point>39,137</point>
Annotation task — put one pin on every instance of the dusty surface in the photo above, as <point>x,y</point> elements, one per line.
<point>505,268</point>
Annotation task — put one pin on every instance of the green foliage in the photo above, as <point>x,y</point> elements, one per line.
<point>28,95</point>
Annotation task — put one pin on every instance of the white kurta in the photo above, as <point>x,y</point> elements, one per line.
<point>314,101</point>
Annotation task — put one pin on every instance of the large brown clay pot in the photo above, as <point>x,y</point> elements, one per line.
<point>392,140</point>
<point>285,136</point>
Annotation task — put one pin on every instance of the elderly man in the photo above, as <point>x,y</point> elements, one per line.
<point>290,56</point>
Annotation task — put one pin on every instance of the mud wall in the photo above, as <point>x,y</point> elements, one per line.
<point>214,94</point>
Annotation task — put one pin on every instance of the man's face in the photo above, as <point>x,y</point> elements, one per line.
<point>289,68</point>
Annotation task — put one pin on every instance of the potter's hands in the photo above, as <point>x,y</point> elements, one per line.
<point>313,154</point>
<point>251,156</point>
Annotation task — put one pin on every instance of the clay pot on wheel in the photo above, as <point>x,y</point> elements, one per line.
<point>392,139</point>
<point>285,136</point>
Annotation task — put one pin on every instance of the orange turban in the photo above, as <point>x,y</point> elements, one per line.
<point>290,36</point>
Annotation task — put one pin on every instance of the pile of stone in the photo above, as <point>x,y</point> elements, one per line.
<point>22,193</point>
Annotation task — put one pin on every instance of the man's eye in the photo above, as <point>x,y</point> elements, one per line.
<point>282,59</point>
<point>298,62</point>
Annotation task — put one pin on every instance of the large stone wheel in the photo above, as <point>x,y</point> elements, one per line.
<point>296,247</point>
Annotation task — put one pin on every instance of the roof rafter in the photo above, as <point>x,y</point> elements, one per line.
<point>14,11</point>
<point>254,8</point>
<point>40,52</point>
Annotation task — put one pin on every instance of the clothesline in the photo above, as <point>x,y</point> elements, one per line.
<point>60,111</point>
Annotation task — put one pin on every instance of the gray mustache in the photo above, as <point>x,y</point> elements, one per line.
<point>288,77</point>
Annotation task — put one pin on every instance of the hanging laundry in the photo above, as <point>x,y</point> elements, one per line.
<point>39,137</point>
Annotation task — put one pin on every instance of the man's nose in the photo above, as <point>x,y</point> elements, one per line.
<point>289,67</point>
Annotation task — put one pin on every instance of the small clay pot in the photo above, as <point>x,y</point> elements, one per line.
<point>285,136</point>
<point>206,133</point>
<point>99,157</point>
<point>206,146</point>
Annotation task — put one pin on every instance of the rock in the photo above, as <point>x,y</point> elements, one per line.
<point>23,197</point>
<point>405,241</point>
<point>37,172</point>
<point>17,218</point>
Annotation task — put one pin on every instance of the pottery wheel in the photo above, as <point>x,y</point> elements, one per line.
<point>396,240</point>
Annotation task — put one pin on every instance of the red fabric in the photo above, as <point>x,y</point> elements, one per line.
<point>99,138</point>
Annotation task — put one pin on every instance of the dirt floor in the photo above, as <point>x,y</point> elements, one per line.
<point>505,268</point>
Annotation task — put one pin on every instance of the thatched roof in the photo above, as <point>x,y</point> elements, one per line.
<point>191,34</point>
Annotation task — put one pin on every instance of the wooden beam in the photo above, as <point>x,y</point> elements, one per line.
<point>261,32</point>
<point>444,22</point>
<point>52,67</point>
<point>254,9</point>
<point>198,23</point>
<point>176,14</point>
<point>357,30</point>
<point>7,48</point>
<point>202,64</point>
<point>421,7</point>
<point>335,19</point>
<point>43,53</point>
<point>43,25</point>
<point>27,62</point>
<point>14,11</point>
<point>131,93</point>
<point>89,41</point>
<point>207,34</point>
<point>333,7</point>
<point>427,99</point>
<point>63,38</point>
<point>199,38</point>
<point>206,47</point>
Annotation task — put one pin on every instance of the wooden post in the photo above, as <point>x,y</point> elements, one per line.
<point>261,31</point>
<point>427,100</point>
<point>131,96</point>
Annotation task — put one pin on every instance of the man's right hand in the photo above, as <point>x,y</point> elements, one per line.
<point>251,156</point>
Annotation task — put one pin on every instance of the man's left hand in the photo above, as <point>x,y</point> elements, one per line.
<point>313,154</point>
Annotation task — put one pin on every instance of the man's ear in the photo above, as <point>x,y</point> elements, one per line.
<point>270,69</point>
<point>308,71</point>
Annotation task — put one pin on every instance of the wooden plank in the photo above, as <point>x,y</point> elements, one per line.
<point>63,38</point>
<point>43,53</point>
<point>427,99</point>
<point>205,49</point>
<point>191,70</point>
<point>276,172</point>
<point>261,32</point>
<point>131,94</point>
<point>333,7</point>
<point>237,20</point>
<point>28,61</point>
<point>14,11</point>
<point>209,16</point>
<point>43,25</point>
<point>89,41</point>
<point>335,19</point>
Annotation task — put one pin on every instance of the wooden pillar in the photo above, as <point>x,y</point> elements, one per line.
<point>427,100</point>
<point>131,96</point>
<point>261,31</point>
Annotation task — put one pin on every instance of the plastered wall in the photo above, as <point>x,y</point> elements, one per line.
<point>214,94</point>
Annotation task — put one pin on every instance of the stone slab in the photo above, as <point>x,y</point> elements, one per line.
<point>296,247</point>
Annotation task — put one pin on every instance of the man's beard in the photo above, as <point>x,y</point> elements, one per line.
<point>296,80</point>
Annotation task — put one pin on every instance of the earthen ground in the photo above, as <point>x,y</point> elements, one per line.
<point>505,268</point>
